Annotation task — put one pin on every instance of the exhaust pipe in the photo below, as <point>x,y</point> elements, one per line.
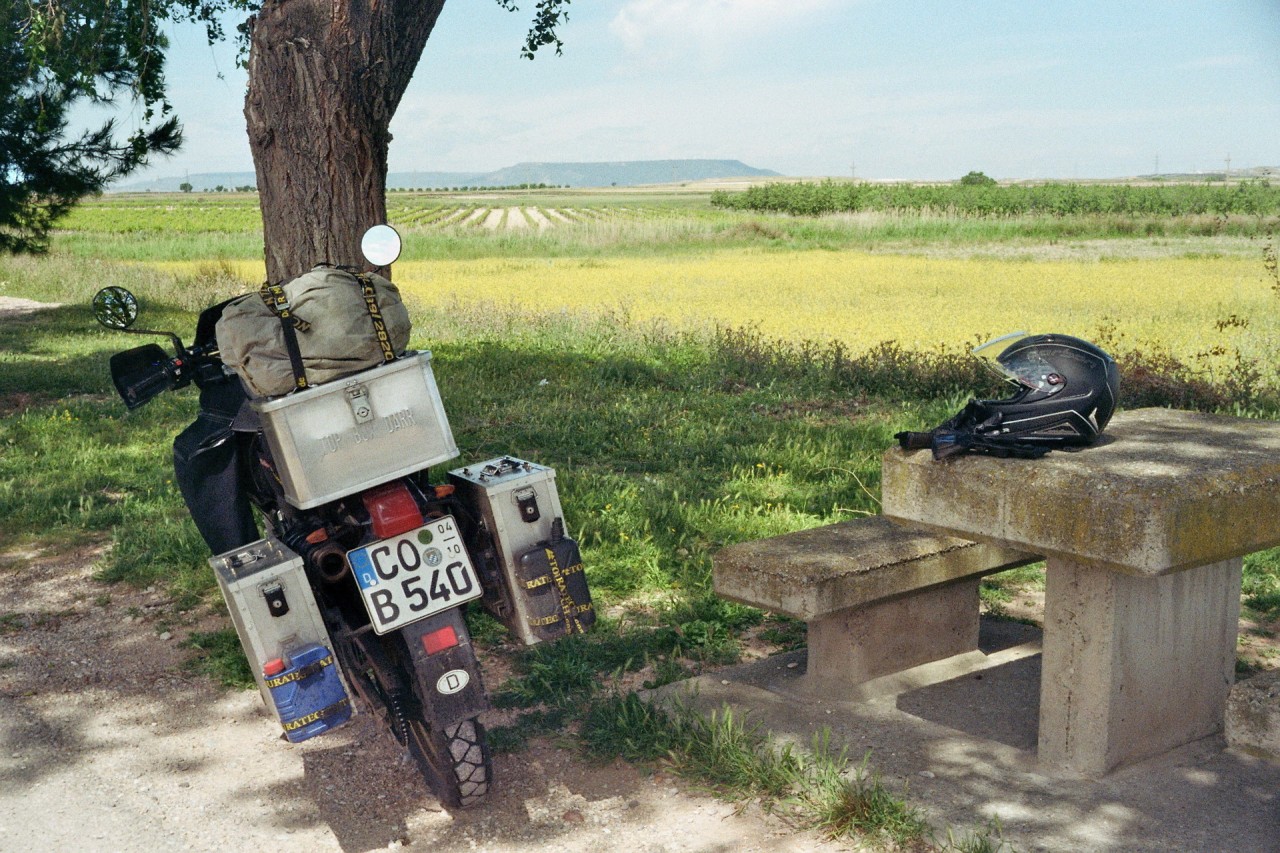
<point>330,560</point>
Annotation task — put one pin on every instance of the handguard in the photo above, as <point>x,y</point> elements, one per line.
<point>142,373</point>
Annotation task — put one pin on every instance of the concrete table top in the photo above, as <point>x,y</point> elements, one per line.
<point>1162,491</point>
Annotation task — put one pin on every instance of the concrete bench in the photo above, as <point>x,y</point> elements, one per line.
<point>1143,536</point>
<point>878,597</point>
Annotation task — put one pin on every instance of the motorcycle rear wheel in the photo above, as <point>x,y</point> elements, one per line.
<point>455,760</point>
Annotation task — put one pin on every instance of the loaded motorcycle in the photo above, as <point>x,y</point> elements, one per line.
<point>361,580</point>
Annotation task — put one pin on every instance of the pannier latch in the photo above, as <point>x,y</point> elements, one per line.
<point>245,558</point>
<point>277,604</point>
<point>527,502</point>
<point>358,399</point>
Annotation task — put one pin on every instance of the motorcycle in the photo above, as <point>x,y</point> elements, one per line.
<point>366,568</point>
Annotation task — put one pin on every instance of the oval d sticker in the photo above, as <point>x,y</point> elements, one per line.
<point>452,681</point>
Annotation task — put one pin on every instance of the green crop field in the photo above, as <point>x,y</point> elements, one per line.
<point>924,279</point>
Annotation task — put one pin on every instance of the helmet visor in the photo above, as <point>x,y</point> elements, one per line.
<point>1024,367</point>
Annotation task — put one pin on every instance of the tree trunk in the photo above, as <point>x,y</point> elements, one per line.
<point>325,79</point>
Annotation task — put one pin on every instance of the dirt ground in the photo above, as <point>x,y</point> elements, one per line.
<point>108,744</point>
<point>12,306</point>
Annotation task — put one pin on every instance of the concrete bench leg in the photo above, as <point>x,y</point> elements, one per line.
<point>1133,666</point>
<point>857,644</point>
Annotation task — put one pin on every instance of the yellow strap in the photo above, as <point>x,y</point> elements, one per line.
<point>375,313</point>
<point>567,605</point>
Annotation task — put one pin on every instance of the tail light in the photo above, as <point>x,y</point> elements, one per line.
<point>392,510</point>
<point>440,639</point>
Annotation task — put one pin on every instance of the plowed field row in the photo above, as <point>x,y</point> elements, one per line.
<point>508,218</point>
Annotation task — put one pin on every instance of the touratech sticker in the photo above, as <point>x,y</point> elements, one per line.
<point>555,617</point>
<point>302,722</point>
<point>546,579</point>
<point>299,674</point>
<point>453,681</point>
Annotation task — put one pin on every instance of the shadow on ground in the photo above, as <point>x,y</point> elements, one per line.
<point>962,747</point>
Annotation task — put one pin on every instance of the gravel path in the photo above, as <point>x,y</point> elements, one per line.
<point>108,744</point>
<point>13,306</point>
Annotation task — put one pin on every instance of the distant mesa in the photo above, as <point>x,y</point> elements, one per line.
<point>619,174</point>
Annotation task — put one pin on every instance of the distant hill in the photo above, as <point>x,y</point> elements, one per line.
<point>617,174</point>
<point>620,174</point>
<point>200,183</point>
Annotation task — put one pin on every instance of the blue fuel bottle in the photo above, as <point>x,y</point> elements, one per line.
<point>308,694</point>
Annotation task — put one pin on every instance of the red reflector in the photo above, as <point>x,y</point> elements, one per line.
<point>439,640</point>
<point>273,667</point>
<point>392,510</point>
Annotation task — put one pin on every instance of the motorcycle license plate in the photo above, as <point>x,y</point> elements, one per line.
<point>413,575</point>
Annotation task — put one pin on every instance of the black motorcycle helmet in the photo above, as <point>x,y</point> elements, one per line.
<point>1067,390</point>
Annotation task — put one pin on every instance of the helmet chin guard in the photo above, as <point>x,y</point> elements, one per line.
<point>1065,391</point>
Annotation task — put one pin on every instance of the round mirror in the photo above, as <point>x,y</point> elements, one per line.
<point>380,245</point>
<point>115,307</point>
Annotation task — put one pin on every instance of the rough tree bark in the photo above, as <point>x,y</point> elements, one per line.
<point>325,79</point>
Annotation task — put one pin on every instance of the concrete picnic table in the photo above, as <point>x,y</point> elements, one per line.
<point>1143,536</point>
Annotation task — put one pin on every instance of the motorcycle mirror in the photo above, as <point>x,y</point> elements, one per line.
<point>381,245</point>
<point>115,307</point>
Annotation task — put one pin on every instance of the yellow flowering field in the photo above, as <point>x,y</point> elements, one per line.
<point>863,299</point>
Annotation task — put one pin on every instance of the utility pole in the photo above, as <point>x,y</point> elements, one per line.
<point>853,171</point>
<point>1226,176</point>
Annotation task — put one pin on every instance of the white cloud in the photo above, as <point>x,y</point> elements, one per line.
<point>655,31</point>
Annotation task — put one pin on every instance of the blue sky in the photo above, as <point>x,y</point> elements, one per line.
<point>881,90</point>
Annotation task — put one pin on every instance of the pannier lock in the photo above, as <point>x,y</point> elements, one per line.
<point>358,400</point>
<point>527,502</point>
<point>277,604</point>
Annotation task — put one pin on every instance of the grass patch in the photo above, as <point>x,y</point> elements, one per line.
<point>1261,583</point>
<point>989,839</point>
<point>854,804</point>
<point>785,633</point>
<point>817,788</point>
<point>220,656</point>
<point>996,592</point>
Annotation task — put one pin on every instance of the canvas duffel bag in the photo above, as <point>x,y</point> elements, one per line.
<point>342,322</point>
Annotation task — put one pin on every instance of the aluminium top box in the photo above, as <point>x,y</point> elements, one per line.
<point>354,433</point>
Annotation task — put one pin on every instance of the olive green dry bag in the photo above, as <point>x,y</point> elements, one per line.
<point>321,326</point>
